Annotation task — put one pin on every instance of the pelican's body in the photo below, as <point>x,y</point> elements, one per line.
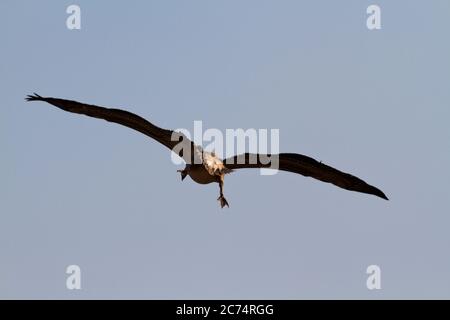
<point>199,174</point>
<point>205,167</point>
<point>211,169</point>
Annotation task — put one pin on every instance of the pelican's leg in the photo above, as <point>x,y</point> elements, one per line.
<point>223,201</point>
<point>184,172</point>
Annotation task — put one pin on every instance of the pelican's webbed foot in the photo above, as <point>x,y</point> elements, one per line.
<point>223,201</point>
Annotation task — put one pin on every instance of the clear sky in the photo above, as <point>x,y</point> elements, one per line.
<point>83,191</point>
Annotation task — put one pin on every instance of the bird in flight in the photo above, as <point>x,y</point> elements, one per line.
<point>205,167</point>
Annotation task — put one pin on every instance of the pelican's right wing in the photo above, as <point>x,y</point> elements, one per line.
<point>166,137</point>
<point>306,166</point>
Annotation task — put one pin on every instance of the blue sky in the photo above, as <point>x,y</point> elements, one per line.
<point>82,191</point>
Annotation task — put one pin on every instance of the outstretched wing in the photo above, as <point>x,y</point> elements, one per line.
<point>166,137</point>
<point>305,166</point>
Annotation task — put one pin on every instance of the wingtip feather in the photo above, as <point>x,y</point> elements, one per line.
<point>380,194</point>
<point>33,97</point>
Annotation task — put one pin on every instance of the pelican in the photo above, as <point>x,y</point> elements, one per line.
<point>205,167</point>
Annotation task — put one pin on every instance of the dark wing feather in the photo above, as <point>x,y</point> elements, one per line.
<point>122,117</point>
<point>306,166</point>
